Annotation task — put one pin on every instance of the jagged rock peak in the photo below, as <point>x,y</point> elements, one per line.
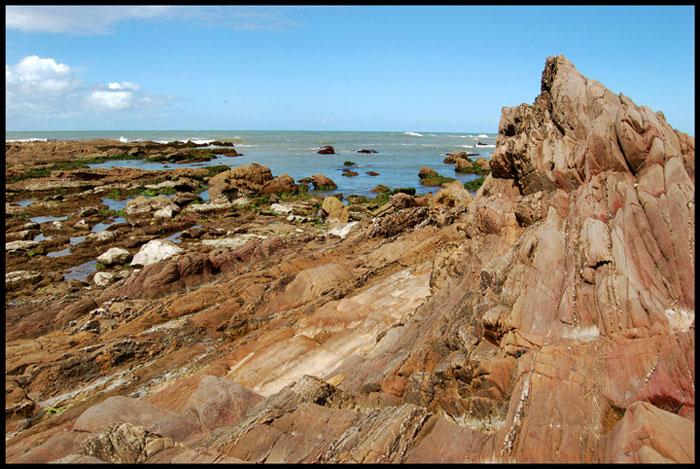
<point>578,128</point>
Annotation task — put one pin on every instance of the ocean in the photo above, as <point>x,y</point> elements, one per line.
<point>399,157</point>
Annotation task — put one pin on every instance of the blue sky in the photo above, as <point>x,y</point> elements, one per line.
<point>329,68</point>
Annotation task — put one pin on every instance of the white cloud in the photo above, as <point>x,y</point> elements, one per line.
<point>103,19</point>
<point>114,100</point>
<point>34,67</point>
<point>124,85</point>
<point>41,88</point>
<point>36,74</point>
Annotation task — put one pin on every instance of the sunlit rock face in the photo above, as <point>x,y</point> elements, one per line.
<point>548,319</point>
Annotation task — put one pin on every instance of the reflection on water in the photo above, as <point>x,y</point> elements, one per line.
<point>81,272</point>
<point>175,237</point>
<point>25,203</point>
<point>114,204</point>
<point>100,227</point>
<point>76,240</point>
<point>61,253</point>
<point>48,218</point>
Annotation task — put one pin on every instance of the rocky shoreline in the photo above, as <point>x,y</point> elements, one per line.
<point>218,314</point>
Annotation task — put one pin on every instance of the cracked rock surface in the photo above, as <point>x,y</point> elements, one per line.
<point>550,318</point>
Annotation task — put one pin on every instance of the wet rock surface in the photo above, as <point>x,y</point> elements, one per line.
<point>548,318</point>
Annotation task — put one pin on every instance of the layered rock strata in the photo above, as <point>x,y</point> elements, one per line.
<point>548,319</point>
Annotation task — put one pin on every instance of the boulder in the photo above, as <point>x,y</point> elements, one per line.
<point>20,245</point>
<point>282,209</point>
<point>335,210</point>
<point>219,204</point>
<point>322,183</point>
<point>82,225</point>
<point>102,237</point>
<point>647,434</point>
<point>166,213</point>
<point>231,243</point>
<point>21,278</point>
<point>114,256</point>
<point>343,231</point>
<point>326,150</point>
<point>452,195</point>
<point>463,166</point>
<point>453,157</point>
<point>283,183</point>
<point>430,177</point>
<point>155,251</point>
<point>425,172</point>
<point>102,279</point>
<point>180,185</point>
<point>145,205</point>
<point>372,173</point>
<point>88,212</point>
<point>11,209</point>
<point>23,235</point>
<point>121,409</point>
<point>401,200</point>
<point>124,443</point>
<point>183,198</point>
<point>242,180</point>
<point>367,151</point>
<point>171,275</point>
<point>483,165</point>
<point>219,402</point>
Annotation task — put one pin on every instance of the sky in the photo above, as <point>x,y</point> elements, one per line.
<point>329,68</point>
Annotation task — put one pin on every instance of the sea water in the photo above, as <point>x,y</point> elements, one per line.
<point>399,157</point>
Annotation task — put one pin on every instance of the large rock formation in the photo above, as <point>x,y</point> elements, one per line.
<point>548,319</point>
<point>241,180</point>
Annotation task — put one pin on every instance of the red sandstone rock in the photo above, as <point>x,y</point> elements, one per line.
<point>281,184</point>
<point>241,180</point>
<point>548,319</point>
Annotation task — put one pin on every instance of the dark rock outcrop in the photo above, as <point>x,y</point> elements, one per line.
<point>326,150</point>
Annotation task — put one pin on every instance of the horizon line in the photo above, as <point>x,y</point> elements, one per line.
<point>248,130</point>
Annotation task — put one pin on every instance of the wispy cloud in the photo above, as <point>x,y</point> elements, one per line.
<point>94,20</point>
